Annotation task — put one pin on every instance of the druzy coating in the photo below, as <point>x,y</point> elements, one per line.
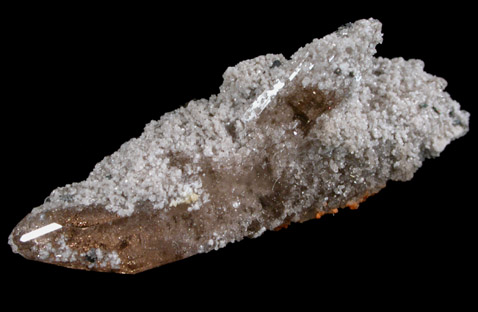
<point>284,141</point>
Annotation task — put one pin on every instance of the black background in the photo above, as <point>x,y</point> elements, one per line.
<point>80,81</point>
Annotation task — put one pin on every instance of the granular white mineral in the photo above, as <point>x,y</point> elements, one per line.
<point>284,141</point>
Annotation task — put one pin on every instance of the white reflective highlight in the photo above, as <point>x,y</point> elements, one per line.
<point>262,101</point>
<point>40,232</point>
<point>296,71</point>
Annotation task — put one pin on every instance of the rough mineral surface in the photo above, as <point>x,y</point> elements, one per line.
<point>284,141</point>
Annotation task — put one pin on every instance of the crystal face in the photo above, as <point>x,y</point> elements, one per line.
<point>284,141</point>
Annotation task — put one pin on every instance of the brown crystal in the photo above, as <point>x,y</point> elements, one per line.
<point>284,141</point>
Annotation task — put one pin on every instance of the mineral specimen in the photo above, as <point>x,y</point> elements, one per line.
<point>284,141</point>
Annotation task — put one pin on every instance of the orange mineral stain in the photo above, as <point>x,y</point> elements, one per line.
<point>355,204</point>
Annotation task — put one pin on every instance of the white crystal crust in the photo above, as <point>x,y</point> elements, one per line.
<point>392,115</point>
